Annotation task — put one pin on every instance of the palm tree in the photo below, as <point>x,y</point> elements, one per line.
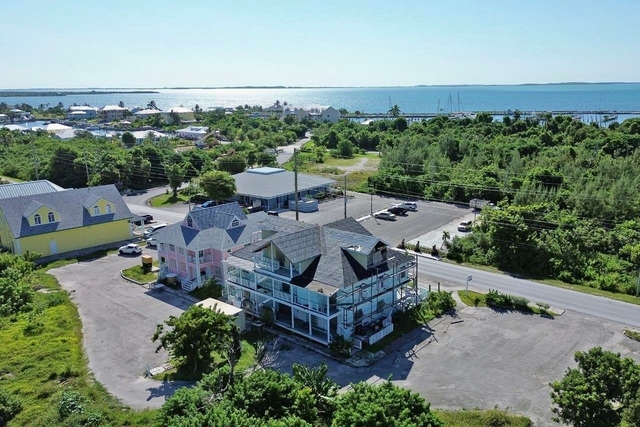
<point>445,238</point>
<point>121,104</point>
<point>152,105</point>
<point>394,111</point>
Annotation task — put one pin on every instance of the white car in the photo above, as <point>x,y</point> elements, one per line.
<point>385,215</point>
<point>410,206</point>
<point>152,242</point>
<point>465,226</point>
<point>131,249</point>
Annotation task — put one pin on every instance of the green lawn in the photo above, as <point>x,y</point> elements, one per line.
<point>136,273</point>
<point>480,418</point>
<point>167,199</point>
<point>39,362</point>
<point>559,284</point>
<point>473,299</point>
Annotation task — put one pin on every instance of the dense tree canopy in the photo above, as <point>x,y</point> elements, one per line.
<point>218,185</point>
<point>602,391</point>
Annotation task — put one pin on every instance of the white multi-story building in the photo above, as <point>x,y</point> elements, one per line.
<point>322,281</point>
<point>82,112</point>
<point>113,112</point>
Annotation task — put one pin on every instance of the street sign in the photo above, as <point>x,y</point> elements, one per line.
<point>469,278</point>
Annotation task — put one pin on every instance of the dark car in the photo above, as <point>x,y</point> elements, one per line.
<point>198,198</point>
<point>397,210</point>
<point>208,204</point>
<point>146,218</point>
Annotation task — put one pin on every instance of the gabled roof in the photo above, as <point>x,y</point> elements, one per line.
<point>331,247</point>
<point>70,204</point>
<point>219,216</point>
<point>28,188</point>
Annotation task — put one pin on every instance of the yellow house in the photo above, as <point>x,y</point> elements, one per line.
<point>64,221</point>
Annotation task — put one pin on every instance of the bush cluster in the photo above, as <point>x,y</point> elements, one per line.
<point>498,299</point>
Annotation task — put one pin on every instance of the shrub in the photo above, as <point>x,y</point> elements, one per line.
<point>441,302</point>
<point>519,302</point>
<point>9,407</point>
<point>341,346</point>
<point>210,289</point>
<point>71,403</point>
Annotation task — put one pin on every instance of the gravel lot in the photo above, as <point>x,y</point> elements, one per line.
<point>118,319</point>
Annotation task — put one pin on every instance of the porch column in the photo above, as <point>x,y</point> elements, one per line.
<point>309,316</point>
<point>198,277</point>
<point>328,331</point>
<point>290,270</point>
<point>292,321</point>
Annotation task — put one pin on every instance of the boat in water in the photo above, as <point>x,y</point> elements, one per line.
<point>609,117</point>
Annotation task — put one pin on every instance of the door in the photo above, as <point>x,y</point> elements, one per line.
<point>53,247</point>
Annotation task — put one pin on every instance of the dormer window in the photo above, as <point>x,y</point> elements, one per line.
<point>96,210</point>
<point>189,222</point>
<point>51,217</point>
<point>37,220</point>
<point>108,209</point>
<point>235,222</point>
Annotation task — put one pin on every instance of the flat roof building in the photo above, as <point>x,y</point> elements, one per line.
<point>274,188</point>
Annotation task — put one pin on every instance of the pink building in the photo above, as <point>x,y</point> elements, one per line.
<point>196,247</point>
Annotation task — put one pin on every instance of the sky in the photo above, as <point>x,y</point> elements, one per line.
<point>189,43</point>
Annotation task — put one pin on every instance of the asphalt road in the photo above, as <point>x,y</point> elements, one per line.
<point>287,151</point>
<point>455,276</point>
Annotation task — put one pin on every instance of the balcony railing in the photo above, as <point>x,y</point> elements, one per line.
<point>267,263</point>
<point>242,281</point>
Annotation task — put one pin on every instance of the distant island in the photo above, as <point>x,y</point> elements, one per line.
<point>58,93</point>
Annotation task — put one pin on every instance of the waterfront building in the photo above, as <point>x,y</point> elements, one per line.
<point>109,113</point>
<point>186,115</point>
<point>82,112</point>
<point>193,132</point>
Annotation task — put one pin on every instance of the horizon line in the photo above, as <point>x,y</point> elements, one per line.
<point>318,87</point>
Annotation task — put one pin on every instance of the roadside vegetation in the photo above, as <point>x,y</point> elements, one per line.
<point>167,199</point>
<point>44,379</point>
<point>567,192</point>
<point>500,300</point>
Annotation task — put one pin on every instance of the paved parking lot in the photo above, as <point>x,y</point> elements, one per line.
<point>430,216</point>
<point>491,358</point>
<point>118,319</point>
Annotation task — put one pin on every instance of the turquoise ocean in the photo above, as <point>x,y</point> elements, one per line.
<point>622,97</point>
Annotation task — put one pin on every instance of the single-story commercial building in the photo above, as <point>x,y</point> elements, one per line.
<point>273,188</point>
<point>152,135</point>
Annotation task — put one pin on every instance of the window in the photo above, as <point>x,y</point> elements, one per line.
<point>108,209</point>
<point>172,263</point>
<point>162,246</point>
<point>163,260</point>
<point>37,220</point>
<point>183,266</point>
<point>218,272</point>
<point>52,217</point>
<point>181,250</point>
<point>235,222</point>
<point>172,248</point>
<point>200,254</point>
<point>189,221</point>
<point>96,210</point>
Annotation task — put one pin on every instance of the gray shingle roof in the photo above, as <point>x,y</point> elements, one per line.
<point>276,184</point>
<point>28,189</point>
<point>219,216</point>
<point>70,204</point>
<point>217,236</point>
<point>334,266</point>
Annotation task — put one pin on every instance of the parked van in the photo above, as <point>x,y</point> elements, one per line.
<point>153,229</point>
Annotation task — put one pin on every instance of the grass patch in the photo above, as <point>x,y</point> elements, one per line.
<point>558,284</point>
<point>62,262</point>
<point>136,273</point>
<point>38,367</point>
<point>473,299</point>
<point>482,418</point>
<point>634,335</point>
<point>167,199</point>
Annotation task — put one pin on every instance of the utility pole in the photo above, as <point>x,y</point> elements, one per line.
<point>371,194</point>
<point>345,196</point>
<point>86,166</point>
<point>295,179</point>
<point>35,160</point>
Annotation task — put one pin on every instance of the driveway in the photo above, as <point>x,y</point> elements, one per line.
<point>287,151</point>
<point>118,319</point>
<point>490,358</point>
